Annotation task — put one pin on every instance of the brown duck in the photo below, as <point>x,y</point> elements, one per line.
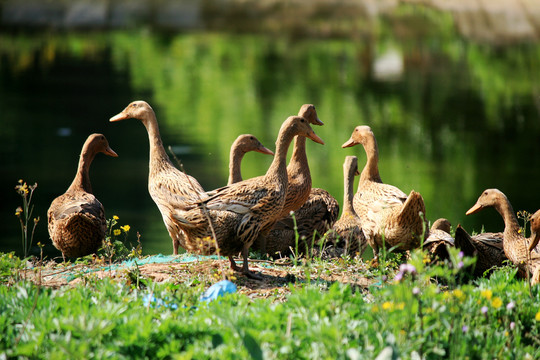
<point>298,188</point>
<point>439,239</point>
<point>346,235</point>
<point>385,211</point>
<point>239,211</point>
<point>515,245</point>
<point>76,219</point>
<point>169,187</point>
<point>242,145</point>
<point>487,248</point>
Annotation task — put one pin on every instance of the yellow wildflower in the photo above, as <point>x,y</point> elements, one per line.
<point>115,217</point>
<point>116,232</point>
<point>18,211</point>
<point>400,306</point>
<point>487,294</point>
<point>537,317</point>
<point>460,295</point>
<point>125,228</point>
<point>387,305</point>
<point>497,302</point>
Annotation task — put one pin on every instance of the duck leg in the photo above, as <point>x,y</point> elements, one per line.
<point>245,266</point>
<point>234,267</point>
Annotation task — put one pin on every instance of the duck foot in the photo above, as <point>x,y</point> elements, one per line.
<point>252,275</point>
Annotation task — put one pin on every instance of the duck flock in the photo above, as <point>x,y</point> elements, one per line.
<point>279,213</point>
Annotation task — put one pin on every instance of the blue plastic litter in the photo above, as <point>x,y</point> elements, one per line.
<point>149,300</point>
<point>218,289</point>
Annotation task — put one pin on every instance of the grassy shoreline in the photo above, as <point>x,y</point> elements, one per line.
<point>432,312</point>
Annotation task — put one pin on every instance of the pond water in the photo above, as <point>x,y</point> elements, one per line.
<point>452,116</point>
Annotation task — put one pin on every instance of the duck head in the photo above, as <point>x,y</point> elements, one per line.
<point>490,197</point>
<point>248,142</point>
<point>360,135</point>
<point>98,143</point>
<point>308,112</point>
<point>136,110</point>
<point>300,126</point>
<point>350,165</point>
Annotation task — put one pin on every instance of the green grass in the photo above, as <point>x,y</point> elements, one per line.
<point>415,317</point>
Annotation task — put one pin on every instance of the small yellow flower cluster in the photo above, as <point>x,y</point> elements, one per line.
<point>117,232</point>
<point>125,228</point>
<point>458,294</point>
<point>18,211</point>
<point>486,293</point>
<point>115,217</point>
<point>390,306</point>
<point>537,316</point>
<point>497,302</point>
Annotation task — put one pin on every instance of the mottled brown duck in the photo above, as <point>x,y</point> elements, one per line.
<point>239,211</point>
<point>439,239</point>
<point>486,247</point>
<point>385,211</point>
<point>169,187</point>
<point>299,176</point>
<point>346,236</point>
<point>299,184</point>
<point>515,245</point>
<point>242,145</point>
<point>76,219</point>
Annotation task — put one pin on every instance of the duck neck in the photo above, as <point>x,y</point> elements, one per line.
<point>348,195</point>
<point>278,168</point>
<point>157,152</point>
<point>299,163</point>
<point>371,170</point>
<point>82,178</point>
<point>235,160</point>
<point>511,225</point>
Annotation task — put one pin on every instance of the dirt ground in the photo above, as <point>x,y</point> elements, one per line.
<point>276,276</point>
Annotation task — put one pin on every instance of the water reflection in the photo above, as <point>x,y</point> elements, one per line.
<point>455,117</point>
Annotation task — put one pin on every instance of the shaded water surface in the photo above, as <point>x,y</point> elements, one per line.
<point>451,116</point>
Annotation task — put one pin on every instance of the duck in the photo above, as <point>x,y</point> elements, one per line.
<point>228,221</point>
<point>169,187</point>
<point>243,144</point>
<point>439,239</point>
<point>298,191</point>
<point>535,232</point>
<point>299,176</point>
<point>486,247</point>
<point>386,212</point>
<point>346,233</point>
<point>76,219</point>
<point>516,246</point>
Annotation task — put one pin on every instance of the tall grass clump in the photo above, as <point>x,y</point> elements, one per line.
<point>24,214</point>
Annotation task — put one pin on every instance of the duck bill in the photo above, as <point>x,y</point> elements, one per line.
<point>476,208</point>
<point>349,143</point>
<point>265,150</point>
<point>318,122</point>
<point>110,152</point>
<point>315,138</point>
<point>121,116</point>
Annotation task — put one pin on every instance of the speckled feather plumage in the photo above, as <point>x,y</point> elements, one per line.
<point>76,219</point>
<point>515,245</point>
<point>385,211</point>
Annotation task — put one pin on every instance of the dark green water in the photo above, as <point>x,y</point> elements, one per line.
<point>460,116</point>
